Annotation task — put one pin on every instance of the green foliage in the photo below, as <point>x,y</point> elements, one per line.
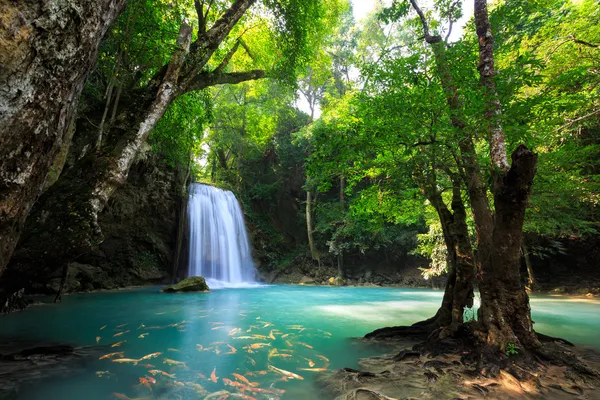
<point>511,350</point>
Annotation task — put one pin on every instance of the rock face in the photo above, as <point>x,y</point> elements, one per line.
<point>139,225</point>
<point>192,284</point>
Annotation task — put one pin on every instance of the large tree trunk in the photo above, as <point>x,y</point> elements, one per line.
<point>46,52</point>
<point>504,313</point>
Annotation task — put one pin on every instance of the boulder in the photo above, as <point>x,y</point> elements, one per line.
<point>192,284</point>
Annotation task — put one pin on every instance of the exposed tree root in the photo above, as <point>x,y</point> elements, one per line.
<point>463,364</point>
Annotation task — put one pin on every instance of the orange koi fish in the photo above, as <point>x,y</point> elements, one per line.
<point>118,343</point>
<point>313,369</point>
<point>267,324</point>
<point>151,380</point>
<point>311,363</point>
<point>229,382</point>
<point>151,355</point>
<point>120,333</point>
<point>262,337</point>
<point>261,372</point>
<point>324,332</point>
<point>289,343</point>
<point>159,372</point>
<point>218,394</point>
<point>323,358</point>
<point>174,350</point>
<point>126,360</point>
<point>120,396</point>
<point>251,360</point>
<point>285,373</point>
<point>98,339</point>
<point>199,347</point>
<point>265,391</point>
<point>103,327</point>
<point>109,355</point>
<point>143,335</point>
<point>213,375</point>
<point>259,345</point>
<point>147,365</point>
<point>144,382</point>
<point>271,336</point>
<point>308,346</point>
<point>233,331</point>
<point>233,350</point>
<point>201,375</point>
<point>121,326</point>
<point>243,379</point>
<point>168,361</point>
<point>286,335</point>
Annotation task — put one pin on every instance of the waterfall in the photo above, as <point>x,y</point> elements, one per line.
<point>219,246</point>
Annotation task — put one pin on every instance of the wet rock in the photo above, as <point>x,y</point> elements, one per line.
<point>307,280</point>
<point>431,377</point>
<point>13,302</point>
<point>336,281</point>
<point>406,355</point>
<point>192,284</point>
<point>436,364</point>
<point>484,391</point>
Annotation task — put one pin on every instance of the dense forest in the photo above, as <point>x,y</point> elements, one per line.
<point>427,144</point>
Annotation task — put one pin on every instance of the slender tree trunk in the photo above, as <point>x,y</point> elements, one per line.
<point>46,52</point>
<point>530,275</point>
<point>309,229</point>
<point>340,257</point>
<point>458,293</point>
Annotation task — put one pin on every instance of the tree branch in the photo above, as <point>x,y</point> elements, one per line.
<point>428,38</point>
<point>206,45</point>
<point>248,51</point>
<point>201,18</point>
<point>228,57</point>
<point>206,79</point>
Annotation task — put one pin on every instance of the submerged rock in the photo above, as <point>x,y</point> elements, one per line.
<point>192,284</point>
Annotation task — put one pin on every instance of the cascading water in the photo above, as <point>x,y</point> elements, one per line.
<point>219,246</point>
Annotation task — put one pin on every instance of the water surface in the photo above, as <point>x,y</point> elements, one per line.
<point>310,325</point>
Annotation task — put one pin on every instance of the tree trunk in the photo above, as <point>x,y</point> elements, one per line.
<point>340,257</point>
<point>458,293</point>
<point>461,271</point>
<point>309,224</point>
<point>45,57</point>
<point>530,274</point>
<point>505,314</point>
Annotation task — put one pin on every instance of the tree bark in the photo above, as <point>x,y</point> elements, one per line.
<point>505,314</point>
<point>309,229</point>
<point>46,53</point>
<point>340,257</point>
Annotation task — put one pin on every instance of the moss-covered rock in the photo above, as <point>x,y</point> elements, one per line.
<point>193,284</point>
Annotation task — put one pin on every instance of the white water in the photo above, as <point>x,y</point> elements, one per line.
<point>219,246</point>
